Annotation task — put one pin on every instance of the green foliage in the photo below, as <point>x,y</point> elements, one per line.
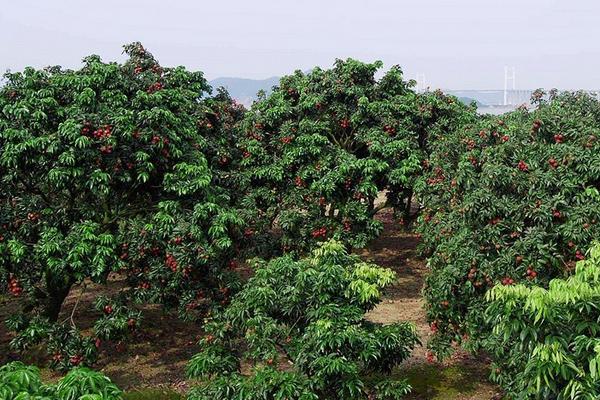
<point>507,200</point>
<point>22,382</point>
<point>105,169</point>
<point>545,341</point>
<point>67,347</point>
<point>16,378</point>
<point>320,148</point>
<point>300,327</point>
<point>118,321</point>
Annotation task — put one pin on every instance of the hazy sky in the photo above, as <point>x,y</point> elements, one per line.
<point>460,44</point>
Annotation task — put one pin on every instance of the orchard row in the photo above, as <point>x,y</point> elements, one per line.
<point>137,169</point>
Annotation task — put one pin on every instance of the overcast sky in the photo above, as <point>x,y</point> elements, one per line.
<point>460,44</point>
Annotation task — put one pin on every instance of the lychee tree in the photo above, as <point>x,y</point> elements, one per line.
<point>318,151</point>
<point>298,331</point>
<point>545,341</point>
<point>220,125</point>
<point>103,169</point>
<point>508,200</point>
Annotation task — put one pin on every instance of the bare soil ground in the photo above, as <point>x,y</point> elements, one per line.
<point>158,356</point>
<point>463,377</point>
<point>155,358</point>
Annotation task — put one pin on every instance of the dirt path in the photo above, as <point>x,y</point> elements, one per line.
<point>460,378</point>
<point>157,358</point>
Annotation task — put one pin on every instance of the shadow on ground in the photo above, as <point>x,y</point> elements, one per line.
<point>157,358</point>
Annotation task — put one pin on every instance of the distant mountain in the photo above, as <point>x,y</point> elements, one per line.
<point>245,90</point>
<point>469,100</point>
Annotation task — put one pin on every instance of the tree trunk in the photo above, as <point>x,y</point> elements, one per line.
<point>58,289</point>
<point>408,206</point>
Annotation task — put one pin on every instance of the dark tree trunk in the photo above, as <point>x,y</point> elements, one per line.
<point>408,206</point>
<point>58,290</point>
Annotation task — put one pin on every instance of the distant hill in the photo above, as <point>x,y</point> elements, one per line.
<point>469,100</point>
<point>245,90</point>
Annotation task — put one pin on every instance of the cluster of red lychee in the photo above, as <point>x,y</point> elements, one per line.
<point>286,139</point>
<point>347,226</point>
<point>299,181</point>
<point>556,214</point>
<point>390,130</point>
<point>523,166</point>
<point>87,127</point>
<point>14,287</point>
<point>33,216</point>
<point>434,180</point>
<point>473,160</point>
<point>508,281</point>
<point>348,183</point>
<point>155,87</point>
<point>430,357</point>
<point>106,149</point>
<point>434,327</point>
<point>171,262</point>
<point>131,323</point>
<point>76,359</point>
<point>345,123</point>
<point>319,233</point>
<point>255,136</point>
<point>102,133</point>
<point>470,144</point>
<point>531,273</point>
<point>472,276</point>
<point>553,163</point>
<point>472,273</point>
<point>144,285</point>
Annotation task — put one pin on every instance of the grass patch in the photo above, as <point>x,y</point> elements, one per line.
<point>435,382</point>
<point>152,394</point>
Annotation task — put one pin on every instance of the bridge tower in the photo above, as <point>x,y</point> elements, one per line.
<point>421,82</point>
<point>509,76</point>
